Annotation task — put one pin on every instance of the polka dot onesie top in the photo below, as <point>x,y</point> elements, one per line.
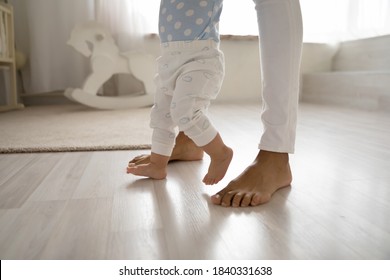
<point>187,20</point>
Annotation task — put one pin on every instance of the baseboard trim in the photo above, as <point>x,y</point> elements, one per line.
<point>47,98</point>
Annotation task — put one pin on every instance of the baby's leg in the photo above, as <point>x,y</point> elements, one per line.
<point>155,169</point>
<point>190,113</point>
<point>200,82</point>
<point>220,156</point>
<point>163,138</point>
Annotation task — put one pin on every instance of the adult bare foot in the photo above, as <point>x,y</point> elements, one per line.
<point>185,150</point>
<point>268,173</point>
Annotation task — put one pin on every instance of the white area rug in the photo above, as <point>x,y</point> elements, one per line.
<point>64,128</point>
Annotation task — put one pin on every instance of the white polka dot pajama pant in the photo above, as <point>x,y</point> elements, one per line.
<point>190,74</point>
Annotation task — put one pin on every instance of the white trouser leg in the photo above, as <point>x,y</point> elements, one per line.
<point>190,75</point>
<point>190,114</point>
<point>280,32</point>
<point>164,134</point>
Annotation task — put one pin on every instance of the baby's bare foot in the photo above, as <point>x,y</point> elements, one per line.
<point>184,150</point>
<point>155,169</point>
<point>218,167</point>
<point>147,170</point>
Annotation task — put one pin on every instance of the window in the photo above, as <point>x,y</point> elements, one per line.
<point>323,20</point>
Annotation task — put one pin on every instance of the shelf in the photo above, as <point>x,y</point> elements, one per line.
<point>6,60</point>
<point>8,89</point>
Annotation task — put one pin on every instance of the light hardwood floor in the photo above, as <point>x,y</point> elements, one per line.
<point>84,205</point>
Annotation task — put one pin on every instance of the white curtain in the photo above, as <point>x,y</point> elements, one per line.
<point>125,19</point>
<point>44,26</point>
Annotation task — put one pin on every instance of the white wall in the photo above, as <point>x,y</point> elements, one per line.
<point>359,76</point>
<point>242,78</point>
<point>242,70</point>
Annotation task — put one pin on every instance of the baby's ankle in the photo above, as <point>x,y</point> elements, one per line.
<point>222,153</point>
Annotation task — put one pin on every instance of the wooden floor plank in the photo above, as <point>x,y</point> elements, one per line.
<point>25,231</point>
<point>11,164</point>
<point>61,182</point>
<point>82,232</point>
<point>18,188</point>
<point>85,206</point>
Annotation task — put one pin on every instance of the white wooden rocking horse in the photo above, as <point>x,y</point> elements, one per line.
<point>94,41</point>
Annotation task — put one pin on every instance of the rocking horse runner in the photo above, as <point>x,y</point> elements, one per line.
<point>94,41</point>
